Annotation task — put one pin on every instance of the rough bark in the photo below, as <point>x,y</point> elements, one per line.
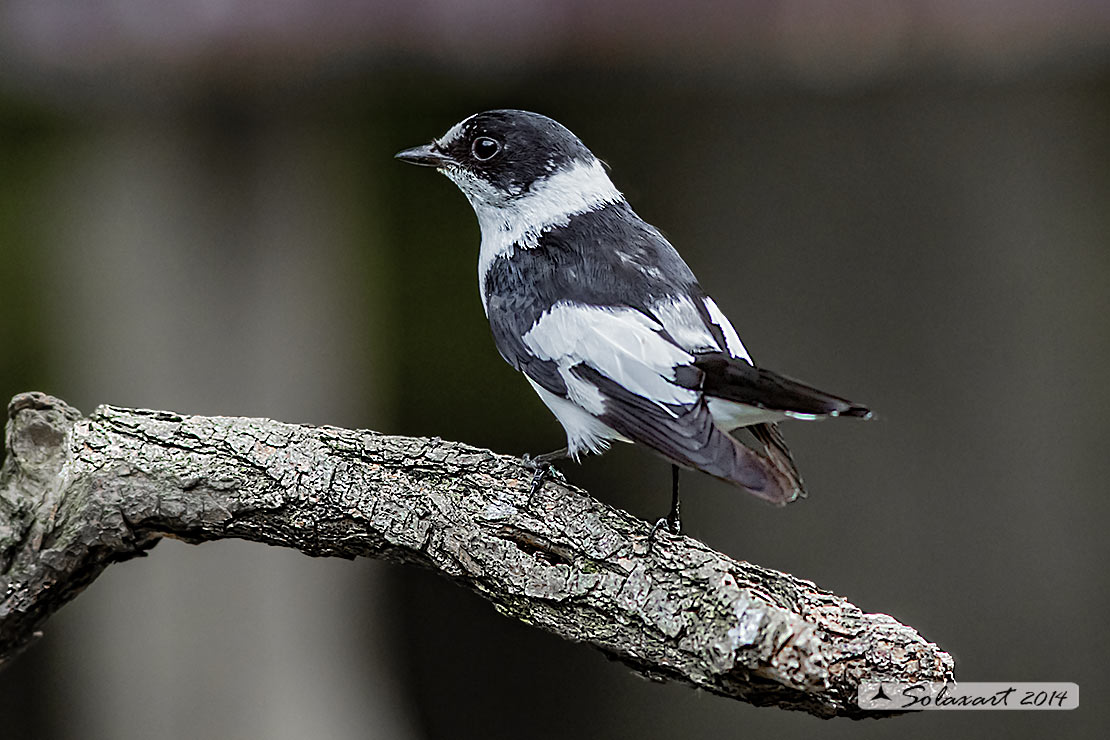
<point>79,493</point>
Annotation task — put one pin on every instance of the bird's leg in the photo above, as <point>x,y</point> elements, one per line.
<point>672,523</point>
<point>543,468</point>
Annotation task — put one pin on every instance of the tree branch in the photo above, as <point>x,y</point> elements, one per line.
<point>77,494</point>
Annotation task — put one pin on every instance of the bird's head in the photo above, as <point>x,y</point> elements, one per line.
<point>503,158</point>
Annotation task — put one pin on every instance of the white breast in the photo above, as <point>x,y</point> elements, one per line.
<point>516,221</point>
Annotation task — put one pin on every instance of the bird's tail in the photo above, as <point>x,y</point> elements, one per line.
<point>778,454</point>
<point>736,380</point>
<point>769,474</point>
<point>691,438</point>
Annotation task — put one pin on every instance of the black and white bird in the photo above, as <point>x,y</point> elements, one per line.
<point>604,318</point>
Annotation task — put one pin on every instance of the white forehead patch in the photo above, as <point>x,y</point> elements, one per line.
<point>453,133</point>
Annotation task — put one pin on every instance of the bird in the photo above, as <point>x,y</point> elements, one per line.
<point>606,321</point>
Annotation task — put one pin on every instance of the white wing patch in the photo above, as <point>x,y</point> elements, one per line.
<point>517,221</point>
<point>729,415</point>
<point>732,340</point>
<point>621,343</point>
<point>682,321</point>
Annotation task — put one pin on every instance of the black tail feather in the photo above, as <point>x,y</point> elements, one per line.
<point>776,451</point>
<point>687,436</point>
<point>732,379</point>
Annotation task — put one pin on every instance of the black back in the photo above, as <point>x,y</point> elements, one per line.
<point>608,257</point>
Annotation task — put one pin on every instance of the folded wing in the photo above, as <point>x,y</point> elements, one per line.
<point>622,366</point>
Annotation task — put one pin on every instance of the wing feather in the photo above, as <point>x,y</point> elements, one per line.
<point>633,364</point>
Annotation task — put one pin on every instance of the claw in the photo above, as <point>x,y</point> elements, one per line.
<point>544,471</point>
<point>670,524</point>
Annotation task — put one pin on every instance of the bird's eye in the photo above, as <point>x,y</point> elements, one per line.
<point>484,148</point>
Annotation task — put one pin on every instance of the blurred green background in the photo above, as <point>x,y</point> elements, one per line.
<point>907,203</point>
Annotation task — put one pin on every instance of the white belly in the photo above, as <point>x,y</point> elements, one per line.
<point>585,432</point>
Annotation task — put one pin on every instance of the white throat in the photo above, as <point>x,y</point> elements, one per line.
<point>511,222</point>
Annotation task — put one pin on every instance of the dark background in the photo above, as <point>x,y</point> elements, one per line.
<point>905,203</point>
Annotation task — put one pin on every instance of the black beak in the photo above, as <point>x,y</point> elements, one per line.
<point>427,156</point>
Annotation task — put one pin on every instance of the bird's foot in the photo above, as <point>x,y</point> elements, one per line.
<point>544,470</point>
<point>671,524</point>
